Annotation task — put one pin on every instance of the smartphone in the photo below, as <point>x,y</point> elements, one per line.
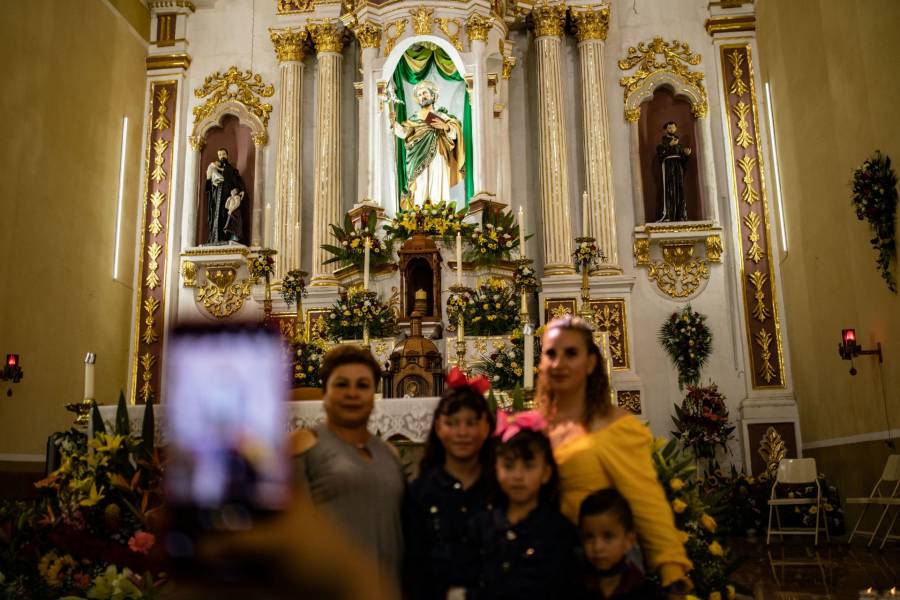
<point>227,467</point>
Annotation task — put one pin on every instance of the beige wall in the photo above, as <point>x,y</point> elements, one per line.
<point>72,71</point>
<point>832,68</point>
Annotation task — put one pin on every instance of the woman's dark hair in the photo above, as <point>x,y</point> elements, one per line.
<point>348,354</point>
<point>526,445</point>
<point>452,401</point>
<point>608,501</point>
<point>597,397</point>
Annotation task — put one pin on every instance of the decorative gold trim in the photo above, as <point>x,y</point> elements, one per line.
<point>157,62</point>
<point>549,19</point>
<point>244,88</point>
<point>509,62</point>
<point>630,400</point>
<point>221,296</point>
<point>158,4</point>
<point>714,248</point>
<point>189,274</point>
<point>287,7</point>
<point>260,138</point>
<point>368,34</point>
<point>444,25</point>
<point>326,36</point>
<point>642,252</point>
<point>219,251</point>
<point>591,23</point>
<point>610,316</point>
<point>196,142</point>
<point>157,199</point>
<point>751,221</point>
<point>747,163</point>
<point>676,56</point>
<point>563,307</point>
<point>760,310</point>
<point>478,27</point>
<point>730,23</point>
<point>772,449</point>
<point>677,227</point>
<point>679,274</point>
<point>421,19</point>
<point>290,43</point>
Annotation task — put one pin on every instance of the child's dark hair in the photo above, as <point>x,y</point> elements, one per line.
<point>526,445</point>
<point>608,501</point>
<point>452,401</point>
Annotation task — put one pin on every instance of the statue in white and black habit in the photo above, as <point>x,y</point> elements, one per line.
<point>223,186</point>
<point>673,158</point>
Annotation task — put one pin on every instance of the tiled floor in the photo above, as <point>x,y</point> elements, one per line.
<point>792,571</point>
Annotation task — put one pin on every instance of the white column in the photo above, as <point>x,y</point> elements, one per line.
<point>257,235</point>
<point>558,242</point>
<point>637,184</point>
<point>327,187</point>
<point>708,171</point>
<point>289,47</point>
<point>369,36</point>
<point>191,194</point>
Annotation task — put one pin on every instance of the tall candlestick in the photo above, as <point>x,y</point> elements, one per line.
<point>368,246</point>
<point>89,361</point>
<point>528,367</point>
<point>459,258</point>
<point>524,310</point>
<point>460,330</point>
<point>584,215</point>
<point>521,232</point>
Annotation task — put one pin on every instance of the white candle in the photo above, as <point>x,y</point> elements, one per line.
<point>368,246</point>
<point>89,361</point>
<point>524,304</point>
<point>459,258</point>
<point>521,232</point>
<point>528,367</point>
<point>297,239</point>
<point>584,215</point>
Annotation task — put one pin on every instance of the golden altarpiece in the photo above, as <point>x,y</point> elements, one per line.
<point>561,106</point>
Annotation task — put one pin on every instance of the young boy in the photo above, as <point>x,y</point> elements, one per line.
<point>607,532</point>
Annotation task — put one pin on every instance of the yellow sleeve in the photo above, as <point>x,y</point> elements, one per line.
<point>624,452</point>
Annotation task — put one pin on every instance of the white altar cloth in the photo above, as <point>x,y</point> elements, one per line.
<point>406,417</point>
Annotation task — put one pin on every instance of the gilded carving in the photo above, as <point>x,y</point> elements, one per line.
<point>478,26</point>
<point>642,252</point>
<point>738,87</point>
<point>421,18</point>
<point>633,115</point>
<point>189,274</point>
<point>399,27</point>
<point>197,142</point>
<point>286,7</point>
<point>766,369</point>
<point>259,138</point>
<point>549,19</point>
<point>221,296</point>
<point>290,43</point>
<point>558,307</point>
<point>747,163</point>
<point>591,23</point>
<point>444,25</point>
<point>677,227</point>
<point>151,305</point>
<point>772,449</point>
<point>152,279</point>
<point>751,221</point>
<point>659,55</point>
<point>760,310</point>
<point>630,400</point>
<point>148,361</point>
<point>156,199</point>
<point>327,36</point>
<point>714,248</point>
<point>509,62</point>
<point>680,273</point>
<point>159,159</point>
<point>743,139</point>
<point>162,121</point>
<point>368,34</point>
<point>245,88</point>
<point>609,316</point>
<point>480,346</point>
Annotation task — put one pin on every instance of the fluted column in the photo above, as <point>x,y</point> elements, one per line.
<point>548,29</point>
<point>478,27</point>
<point>191,197</point>
<point>327,184</point>
<point>591,26</point>
<point>369,36</point>
<point>289,47</point>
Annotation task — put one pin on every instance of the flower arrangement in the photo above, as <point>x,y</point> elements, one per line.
<point>875,199</point>
<point>357,306</point>
<point>351,247</point>
<point>504,368</point>
<point>495,239</point>
<point>491,309</point>
<point>702,421</point>
<point>262,266</point>
<point>739,499</point>
<point>688,341</point>
<point>697,527</point>
<point>525,279</point>
<point>587,254</point>
<point>440,220</point>
<point>307,359</point>
<point>293,286</point>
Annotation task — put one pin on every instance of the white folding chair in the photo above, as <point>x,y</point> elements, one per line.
<point>883,494</point>
<point>796,471</point>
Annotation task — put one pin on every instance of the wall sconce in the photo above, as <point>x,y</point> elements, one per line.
<point>849,349</point>
<point>12,371</point>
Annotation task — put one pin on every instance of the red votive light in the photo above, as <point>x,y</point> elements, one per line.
<point>849,336</point>
<point>12,360</point>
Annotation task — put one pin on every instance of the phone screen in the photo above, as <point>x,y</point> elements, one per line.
<point>225,394</point>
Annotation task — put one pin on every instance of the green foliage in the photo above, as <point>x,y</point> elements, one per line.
<point>875,199</point>
<point>504,367</point>
<point>702,421</point>
<point>491,309</point>
<point>440,220</point>
<point>351,249</point>
<point>97,424</point>
<point>356,306</point>
<point>688,341</point>
<point>495,239</point>
<point>148,427</point>
<point>123,427</point>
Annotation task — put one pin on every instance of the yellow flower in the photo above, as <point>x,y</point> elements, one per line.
<point>708,522</point>
<point>678,505</point>
<point>94,497</point>
<point>684,536</point>
<point>676,484</point>
<point>692,597</point>
<point>716,549</point>
<point>355,243</point>
<point>730,593</point>
<point>659,443</point>
<point>715,596</point>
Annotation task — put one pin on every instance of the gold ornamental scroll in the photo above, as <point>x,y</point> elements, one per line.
<point>149,328</point>
<point>757,269</point>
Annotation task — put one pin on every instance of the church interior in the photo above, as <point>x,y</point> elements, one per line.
<point>705,184</point>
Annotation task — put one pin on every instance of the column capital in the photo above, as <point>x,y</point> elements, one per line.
<point>327,36</point>
<point>549,19</point>
<point>591,22</point>
<point>368,34</point>
<point>478,26</point>
<point>290,43</point>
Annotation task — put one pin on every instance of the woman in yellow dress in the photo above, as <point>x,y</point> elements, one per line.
<point>598,445</point>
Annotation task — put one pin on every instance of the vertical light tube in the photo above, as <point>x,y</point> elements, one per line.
<point>777,171</point>
<point>119,200</point>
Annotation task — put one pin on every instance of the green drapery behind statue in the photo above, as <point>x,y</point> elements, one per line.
<point>415,65</point>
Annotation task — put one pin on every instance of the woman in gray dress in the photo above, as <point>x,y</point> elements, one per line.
<point>351,474</point>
